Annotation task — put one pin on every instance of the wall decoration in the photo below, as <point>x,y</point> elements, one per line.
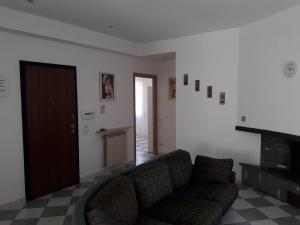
<point>222,98</point>
<point>185,79</point>
<point>197,85</point>
<point>290,69</point>
<point>209,91</point>
<point>107,87</point>
<point>172,88</point>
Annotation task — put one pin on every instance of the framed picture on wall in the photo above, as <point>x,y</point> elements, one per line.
<point>107,87</point>
<point>222,98</point>
<point>185,79</point>
<point>209,91</point>
<point>172,88</point>
<point>197,85</point>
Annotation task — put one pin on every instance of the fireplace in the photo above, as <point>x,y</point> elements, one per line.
<point>279,151</point>
<point>295,157</point>
<point>279,171</point>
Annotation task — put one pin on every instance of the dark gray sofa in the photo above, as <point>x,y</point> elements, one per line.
<point>167,191</point>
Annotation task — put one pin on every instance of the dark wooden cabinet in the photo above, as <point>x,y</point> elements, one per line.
<point>251,177</point>
<point>272,182</point>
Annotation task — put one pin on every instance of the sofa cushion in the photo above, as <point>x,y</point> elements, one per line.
<point>152,183</point>
<point>118,200</point>
<point>99,217</point>
<point>224,194</point>
<point>210,169</point>
<point>148,221</point>
<point>179,210</point>
<point>180,168</point>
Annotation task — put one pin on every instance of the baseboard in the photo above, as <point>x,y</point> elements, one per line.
<point>105,169</point>
<point>13,204</point>
<point>22,201</point>
<point>91,176</point>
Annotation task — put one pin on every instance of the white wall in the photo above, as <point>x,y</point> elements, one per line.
<point>269,99</point>
<point>165,69</point>
<point>203,125</point>
<point>15,47</point>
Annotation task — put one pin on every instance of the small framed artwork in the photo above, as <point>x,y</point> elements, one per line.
<point>107,87</point>
<point>185,79</point>
<point>197,85</point>
<point>209,91</point>
<point>222,98</point>
<point>172,88</point>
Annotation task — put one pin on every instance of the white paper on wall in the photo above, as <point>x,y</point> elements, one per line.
<point>3,86</point>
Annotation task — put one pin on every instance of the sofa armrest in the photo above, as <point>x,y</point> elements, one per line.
<point>79,214</point>
<point>78,217</point>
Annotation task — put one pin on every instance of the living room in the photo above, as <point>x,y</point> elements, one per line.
<point>235,65</point>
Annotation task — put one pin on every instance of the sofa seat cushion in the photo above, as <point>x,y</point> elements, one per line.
<point>180,167</point>
<point>149,221</point>
<point>118,200</point>
<point>211,169</point>
<point>152,183</point>
<point>179,210</point>
<point>224,194</point>
<point>99,217</point>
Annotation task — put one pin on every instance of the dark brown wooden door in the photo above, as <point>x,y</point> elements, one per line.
<point>49,106</point>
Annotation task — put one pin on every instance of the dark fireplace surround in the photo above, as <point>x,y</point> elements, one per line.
<point>278,174</point>
<point>279,151</point>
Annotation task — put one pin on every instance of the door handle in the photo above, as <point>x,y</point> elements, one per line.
<point>72,128</point>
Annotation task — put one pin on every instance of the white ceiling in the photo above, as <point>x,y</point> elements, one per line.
<point>151,20</point>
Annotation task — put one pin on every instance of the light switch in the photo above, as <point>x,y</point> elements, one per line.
<point>86,129</point>
<point>102,109</point>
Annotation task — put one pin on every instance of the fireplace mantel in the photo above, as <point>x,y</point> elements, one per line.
<point>268,132</point>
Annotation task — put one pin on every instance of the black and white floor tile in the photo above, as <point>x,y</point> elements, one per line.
<point>53,209</point>
<point>142,144</point>
<point>251,208</point>
<point>142,154</point>
<point>256,208</point>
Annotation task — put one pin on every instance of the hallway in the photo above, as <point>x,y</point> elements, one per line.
<point>142,154</point>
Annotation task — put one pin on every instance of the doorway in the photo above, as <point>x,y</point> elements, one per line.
<point>145,117</point>
<point>50,127</point>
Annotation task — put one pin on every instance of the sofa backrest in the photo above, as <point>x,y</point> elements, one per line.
<point>116,200</point>
<point>152,183</point>
<point>79,215</point>
<point>180,168</point>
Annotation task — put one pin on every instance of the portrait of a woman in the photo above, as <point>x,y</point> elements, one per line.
<point>107,87</point>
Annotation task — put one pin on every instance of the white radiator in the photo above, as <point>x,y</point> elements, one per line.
<point>115,149</point>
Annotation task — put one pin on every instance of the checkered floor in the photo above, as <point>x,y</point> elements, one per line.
<point>142,144</point>
<point>251,208</point>
<point>142,154</point>
<point>255,208</point>
<point>53,209</point>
